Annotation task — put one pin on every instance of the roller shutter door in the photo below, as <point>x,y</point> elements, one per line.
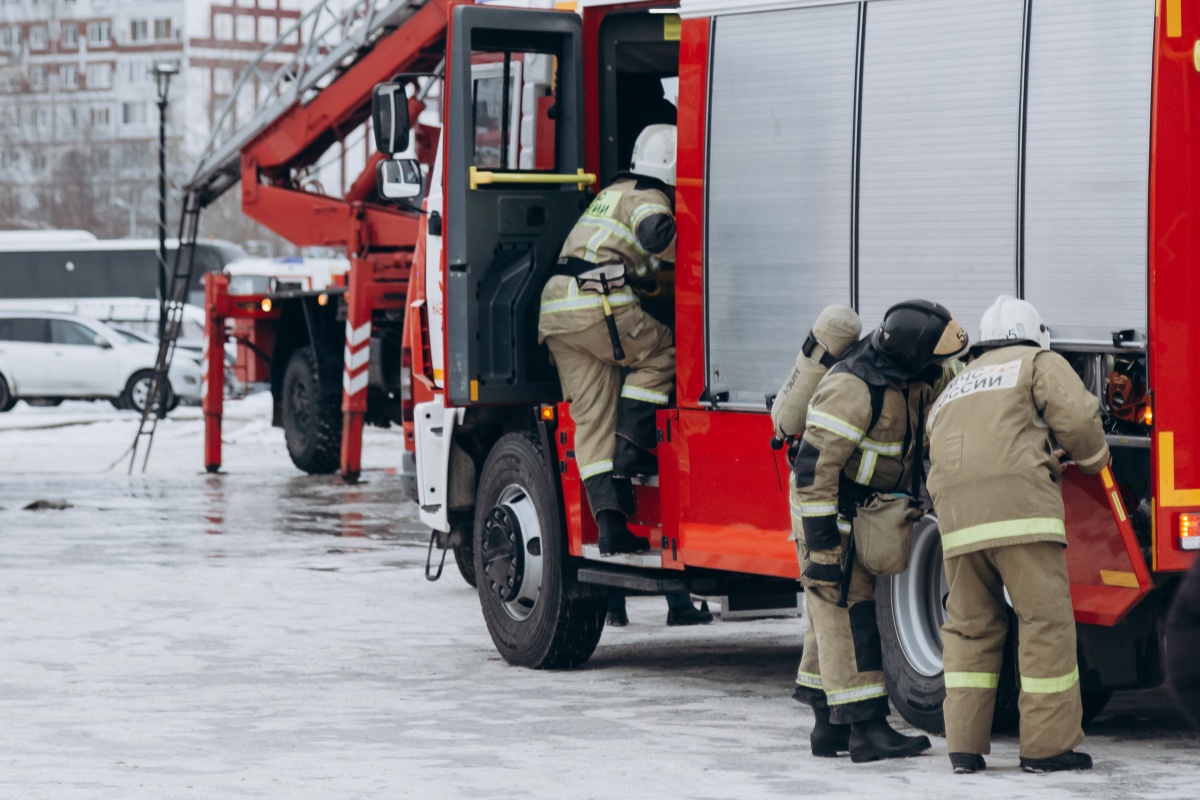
<point>781,141</point>
<point>939,154</point>
<point>1088,165</point>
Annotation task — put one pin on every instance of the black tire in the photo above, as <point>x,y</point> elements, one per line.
<point>464,556</point>
<point>311,409</point>
<point>7,400</point>
<point>44,402</point>
<point>133,396</point>
<point>910,610</point>
<point>519,534</point>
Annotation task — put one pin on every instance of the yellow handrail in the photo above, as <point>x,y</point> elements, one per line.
<point>482,178</point>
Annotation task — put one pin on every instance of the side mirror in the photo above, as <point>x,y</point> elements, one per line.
<point>101,342</point>
<point>389,116</point>
<point>399,178</point>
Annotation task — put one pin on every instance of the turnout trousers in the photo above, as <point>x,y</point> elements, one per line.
<point>842,663</point>
<point>592,381</point>
<point>974,633</point>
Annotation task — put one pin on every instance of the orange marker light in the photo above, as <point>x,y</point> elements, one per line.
<point>1149,418</point>
<point>548,416</point>
<point>266,304</point>
<point>322,299</point>
<point>1189,530</point>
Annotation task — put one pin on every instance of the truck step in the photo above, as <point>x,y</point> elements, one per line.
<point>624,578</point>
<point>648,560</point>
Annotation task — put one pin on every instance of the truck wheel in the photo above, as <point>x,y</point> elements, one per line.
<point>464,557</point>
<point>312,413</point>
<point>911,608</point>
<point>525,581</point>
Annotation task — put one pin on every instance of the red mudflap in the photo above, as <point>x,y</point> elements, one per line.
<point>1108,572</point>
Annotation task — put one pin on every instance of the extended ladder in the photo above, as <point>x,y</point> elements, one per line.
<point>155,405</point>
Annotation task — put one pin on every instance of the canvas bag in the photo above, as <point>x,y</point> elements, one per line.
<point>883,525</point>
<point>883,533</point>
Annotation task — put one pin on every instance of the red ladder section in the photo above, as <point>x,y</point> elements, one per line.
<point>379,240</point>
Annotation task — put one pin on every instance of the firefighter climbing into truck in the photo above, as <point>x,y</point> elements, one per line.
<point>616,362</point>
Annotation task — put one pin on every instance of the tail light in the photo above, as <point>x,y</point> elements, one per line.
<point>406,384</point>
<point>426,352</point>
<point>1189,530</point>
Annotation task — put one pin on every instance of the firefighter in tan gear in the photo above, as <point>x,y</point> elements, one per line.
<point>995,484</point>
<point>596,330</point>
<point>860,445</point>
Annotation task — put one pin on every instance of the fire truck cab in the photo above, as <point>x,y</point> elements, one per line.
<point>859,152</point>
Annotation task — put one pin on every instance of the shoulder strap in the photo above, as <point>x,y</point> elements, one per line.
<point>918,468</point>
<point>877,393</point>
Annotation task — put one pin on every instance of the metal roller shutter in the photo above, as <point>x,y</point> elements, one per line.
<point>781,144</point>
<point>1088,165</point>
<point>939,141</point>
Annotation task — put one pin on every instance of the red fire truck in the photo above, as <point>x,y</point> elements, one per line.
<point>848,151</point>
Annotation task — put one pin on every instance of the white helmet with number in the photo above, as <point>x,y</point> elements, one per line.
<point>654,153</point>
<point>1010,321</point>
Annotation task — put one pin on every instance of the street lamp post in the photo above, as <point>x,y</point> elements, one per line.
<point>132,209</point>
<point>162,77</point>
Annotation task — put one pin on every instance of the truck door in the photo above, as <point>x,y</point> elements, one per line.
<point>514,187</point>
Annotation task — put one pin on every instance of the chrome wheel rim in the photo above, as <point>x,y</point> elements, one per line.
<point>512,552</point>
<point>919,600</point>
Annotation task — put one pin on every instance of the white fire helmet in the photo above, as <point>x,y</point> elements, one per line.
<point>654,153</point>
<point>1010,321</point>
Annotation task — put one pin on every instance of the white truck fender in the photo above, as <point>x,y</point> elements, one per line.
<point>434,424</point>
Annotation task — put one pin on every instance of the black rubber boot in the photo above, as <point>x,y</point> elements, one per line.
<point>615,536</point>
<point>689,615</point>
<point>1062,762</point>
<point>967,763</point>
<point>636,437</point>
<point>631,461</point>
<point>875,740</point>
<point>828,740</point>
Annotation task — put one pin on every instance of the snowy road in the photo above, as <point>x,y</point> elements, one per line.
<point>263,634</point>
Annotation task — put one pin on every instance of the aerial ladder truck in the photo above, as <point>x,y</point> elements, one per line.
<point>331,356</point>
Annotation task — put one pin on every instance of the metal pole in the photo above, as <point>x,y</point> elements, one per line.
<point>162,205</point>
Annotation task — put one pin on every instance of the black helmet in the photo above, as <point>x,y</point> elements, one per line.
<point>916,334</point>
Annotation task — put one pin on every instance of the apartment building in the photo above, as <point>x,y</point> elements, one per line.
<point>78,100</point>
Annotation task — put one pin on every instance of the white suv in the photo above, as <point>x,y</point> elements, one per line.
<point>47,358</point>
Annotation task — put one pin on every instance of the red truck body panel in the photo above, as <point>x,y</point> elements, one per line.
<point>1175,278</point>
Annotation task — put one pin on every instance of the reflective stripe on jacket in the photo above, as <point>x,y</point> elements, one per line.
<point>836,442</point>
<point>607,233</point>
<point>992,434</point>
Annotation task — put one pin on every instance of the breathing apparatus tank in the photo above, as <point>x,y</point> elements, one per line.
<point>836,329</point>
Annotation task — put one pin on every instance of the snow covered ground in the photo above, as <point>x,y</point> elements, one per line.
<point>265,634</point>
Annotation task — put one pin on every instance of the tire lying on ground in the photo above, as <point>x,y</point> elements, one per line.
<point>910,610</point>
<point>311,408</point>
<point>524,576</point>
